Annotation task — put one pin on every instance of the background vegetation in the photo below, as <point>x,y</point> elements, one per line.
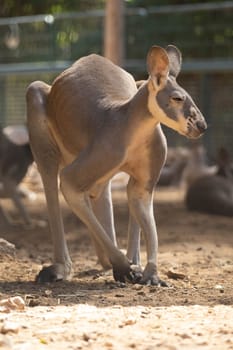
<point>201,34</point>
<point>54,34</point>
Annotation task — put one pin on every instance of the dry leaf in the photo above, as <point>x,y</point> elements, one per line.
<point>175,275</point>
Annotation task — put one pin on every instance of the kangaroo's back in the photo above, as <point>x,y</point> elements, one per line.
<point>94,79</point>
<point>83,96</point>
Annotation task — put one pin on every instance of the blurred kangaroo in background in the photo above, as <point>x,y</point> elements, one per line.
<point>92,123</point>
<point>196,165</point>
<point>172,172</point>
<point>15,159</point>
<point>213,194</point>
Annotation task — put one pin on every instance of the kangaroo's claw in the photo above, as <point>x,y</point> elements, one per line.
<point>150,276</point>
<point>53,273</point>
<point>153,281</point>
<point>122,270</point>
<point>136,273</point>
<point>47,274</point>
<point>132,274</point>
<point>122,275</point>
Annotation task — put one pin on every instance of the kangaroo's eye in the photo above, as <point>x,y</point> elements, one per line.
<point>178,99</point>
<point>177,96</point>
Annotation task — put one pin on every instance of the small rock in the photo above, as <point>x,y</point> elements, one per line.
<point>141,293</point>
<point>128,322</point>
<point>119,295</point>
<point>48,292</point>
<point>86,337</point>
<point>219,287</point>
<point>6,248</point>
<point>108,344</point>
<point>9,327</point>
<point>13,303</point>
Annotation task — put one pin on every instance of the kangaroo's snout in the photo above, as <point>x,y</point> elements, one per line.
<point>201,125</point>
<point>195,123</point>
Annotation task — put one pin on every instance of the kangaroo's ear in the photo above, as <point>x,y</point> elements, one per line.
<point>158,66</point>
<point>175,59</point>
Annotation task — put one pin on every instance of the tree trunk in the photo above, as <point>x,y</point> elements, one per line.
<point>114,31</point>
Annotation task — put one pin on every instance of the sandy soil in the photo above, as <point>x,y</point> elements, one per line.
<point>93,312</point>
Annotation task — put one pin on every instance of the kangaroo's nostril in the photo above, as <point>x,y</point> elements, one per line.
<point>193,112</point>
<point>201,126</point>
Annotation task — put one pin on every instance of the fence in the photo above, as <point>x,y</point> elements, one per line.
<point>39,47</point>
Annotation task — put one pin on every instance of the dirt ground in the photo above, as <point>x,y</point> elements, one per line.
<point>93,312</point>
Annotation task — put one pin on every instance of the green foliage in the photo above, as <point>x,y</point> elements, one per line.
<point>199,34</point>
<point>11,8</point>
<point>150,3</point>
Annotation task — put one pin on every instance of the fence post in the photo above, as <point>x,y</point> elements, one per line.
<point>114,31</point>
<point>3,100</point>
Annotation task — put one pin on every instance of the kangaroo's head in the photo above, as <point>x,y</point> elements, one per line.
<point>168,102</point>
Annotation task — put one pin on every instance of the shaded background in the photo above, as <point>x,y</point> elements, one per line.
<point>39,39</point>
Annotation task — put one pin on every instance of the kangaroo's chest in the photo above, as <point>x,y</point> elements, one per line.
<point>145,153</point>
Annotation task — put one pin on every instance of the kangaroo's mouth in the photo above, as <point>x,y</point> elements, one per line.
<point>195,128</point>
<point>194,134</point>
<point>191,132</point>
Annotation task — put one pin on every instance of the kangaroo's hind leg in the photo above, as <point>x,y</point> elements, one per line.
<point>47,157</point>
<point>77,182</point>
<point>101,201</point>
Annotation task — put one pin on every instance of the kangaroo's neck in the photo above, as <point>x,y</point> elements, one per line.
<point>137,123</point>
<point>137,109</point>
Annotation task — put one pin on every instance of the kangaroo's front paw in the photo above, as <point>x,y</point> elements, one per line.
<point>122,274</point>
<point>53,273</point>
<point>150,276</point>
<point>122,271</point>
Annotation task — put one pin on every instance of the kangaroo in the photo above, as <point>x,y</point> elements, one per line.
<point>196,165</point>
<point>92,123</point>
<point>171,173</point>
<point>213,194</point>
<point>15,159</point>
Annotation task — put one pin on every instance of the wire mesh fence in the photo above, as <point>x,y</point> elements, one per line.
<point>38,47</point>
